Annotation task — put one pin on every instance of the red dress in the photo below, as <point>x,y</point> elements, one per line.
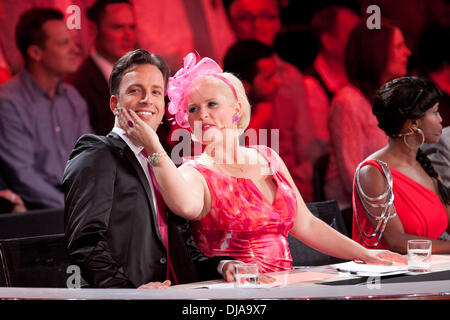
<point>242,223</point>
<point>419,209</point>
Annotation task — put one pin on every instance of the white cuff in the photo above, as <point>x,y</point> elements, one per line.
<point>223,262</point>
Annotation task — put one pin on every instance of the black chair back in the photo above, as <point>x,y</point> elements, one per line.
<point>303,255</point>
<point>320,167</point>
<point>40,261</point>
<point>31,223</point>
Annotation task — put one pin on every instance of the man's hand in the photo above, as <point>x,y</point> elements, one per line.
<point>156,285</point>
<point>19,206</point>
<point>228,271</point>
<point>228,274</point>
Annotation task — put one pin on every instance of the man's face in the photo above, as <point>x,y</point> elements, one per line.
<point>142,90</point>
<point>255,19</point>
<point>116,31</point>
<point>59,55</point>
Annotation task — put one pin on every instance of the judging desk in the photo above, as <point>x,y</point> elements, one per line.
<point>321,282</point>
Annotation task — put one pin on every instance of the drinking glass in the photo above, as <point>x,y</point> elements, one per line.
<point>245,275</point>
<point>419,256</point>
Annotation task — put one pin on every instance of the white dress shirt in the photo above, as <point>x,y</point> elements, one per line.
<point>137,150</point>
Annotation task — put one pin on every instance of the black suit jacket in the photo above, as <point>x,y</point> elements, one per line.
<point>92,85</point>
<point>110,222</point>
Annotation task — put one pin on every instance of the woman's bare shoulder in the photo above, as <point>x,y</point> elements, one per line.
<point>371,177</point>
<point>188,170</point>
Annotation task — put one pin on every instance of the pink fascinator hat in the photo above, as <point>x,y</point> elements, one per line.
<point>179,84</point>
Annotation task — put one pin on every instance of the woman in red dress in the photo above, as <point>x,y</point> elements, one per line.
<point>242,200</point>
<point>397,195</point>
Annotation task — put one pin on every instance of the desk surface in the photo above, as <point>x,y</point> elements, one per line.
<point>435,285</point>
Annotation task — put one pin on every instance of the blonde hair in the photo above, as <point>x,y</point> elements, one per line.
<point>244,117</point>
<point>244,120</point>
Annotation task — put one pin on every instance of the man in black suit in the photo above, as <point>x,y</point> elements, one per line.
<point>112,212</point>
<point>114,28</point>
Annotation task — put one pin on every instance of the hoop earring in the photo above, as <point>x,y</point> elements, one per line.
<point>414,130</point>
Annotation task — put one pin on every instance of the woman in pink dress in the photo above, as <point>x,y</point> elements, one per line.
<point>242,201</point>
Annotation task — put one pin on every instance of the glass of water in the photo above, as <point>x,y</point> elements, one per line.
<point>419,256</point>
<point>246,275</point>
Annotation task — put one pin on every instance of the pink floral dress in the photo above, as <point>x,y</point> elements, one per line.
<point>242,223</point>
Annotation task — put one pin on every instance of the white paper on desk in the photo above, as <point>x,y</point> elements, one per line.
<point>226,285</point>
<point>370,270</point>
<point>221,285</point>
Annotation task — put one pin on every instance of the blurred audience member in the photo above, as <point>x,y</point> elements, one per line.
<point>255,65</point>
<point>398,196</point>
<point>9,201</point>
<point>411,15</point>
<point>439,154</point>
<point>260,20</point>
<point>176,27</point>
<point>114,35</point>
<point>42,117</point>
<point>331,26</point>
<point>433,62</point>
<point>373,57</point>
<point>12,11</point>
<point>5,75</point>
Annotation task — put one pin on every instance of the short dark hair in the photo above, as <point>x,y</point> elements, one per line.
<point>367,54</point>
<point>29,28</point>
<point>96,11</point>
<point>132,58</point>
<point>241,58</point>
<point>404,98</point>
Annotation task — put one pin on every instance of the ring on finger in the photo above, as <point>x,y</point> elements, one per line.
<point>130,123</point>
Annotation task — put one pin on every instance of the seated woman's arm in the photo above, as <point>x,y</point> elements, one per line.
<point>373,184</point>
<point>320,236</point>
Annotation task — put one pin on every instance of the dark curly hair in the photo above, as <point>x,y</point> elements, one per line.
<point>402,99</point>
<point>408,98</point>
